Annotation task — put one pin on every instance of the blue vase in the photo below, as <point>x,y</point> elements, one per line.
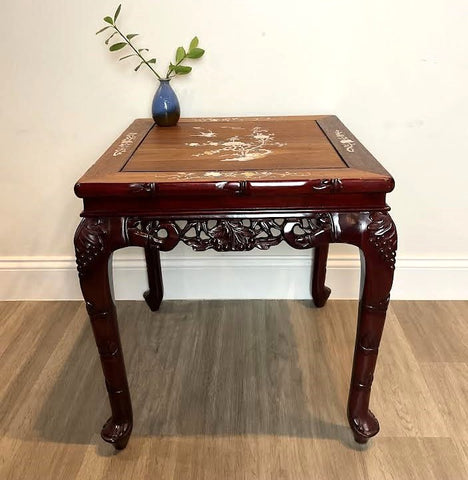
<point>165,108</point>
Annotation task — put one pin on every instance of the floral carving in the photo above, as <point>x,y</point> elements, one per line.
<point>225,235</point>
<point>383,235</point>
<point>162,234</point>
<point>89,242</point>
<point>230,234</point>
<point>307,232</point>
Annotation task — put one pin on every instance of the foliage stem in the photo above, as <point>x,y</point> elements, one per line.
<point>176,65</point>
<point>137,52</point>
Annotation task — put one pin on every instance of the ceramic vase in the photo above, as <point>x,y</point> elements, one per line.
<point>165,108</point>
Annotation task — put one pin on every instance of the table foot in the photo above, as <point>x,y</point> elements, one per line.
<point>153,302</point>
<point>154,295</point>
<point>364,426</point>
<point>320,297</point>
<point>116,434</point>
<point>320,292</point>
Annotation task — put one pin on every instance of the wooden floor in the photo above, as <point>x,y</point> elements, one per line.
<point>234,390</point>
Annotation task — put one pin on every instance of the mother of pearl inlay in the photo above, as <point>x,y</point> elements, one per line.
<point>240,148</point>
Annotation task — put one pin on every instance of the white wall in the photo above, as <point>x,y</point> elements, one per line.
<point>394,72</point>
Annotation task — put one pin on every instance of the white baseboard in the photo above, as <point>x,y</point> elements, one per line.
<point>233,276</point>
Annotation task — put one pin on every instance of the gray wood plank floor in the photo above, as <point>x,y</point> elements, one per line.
<point>234,390</point>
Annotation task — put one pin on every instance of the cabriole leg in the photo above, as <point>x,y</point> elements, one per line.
<point>95,240</point>
<point>378,246</point>
<point>154,294</point>
<point>320,292</point>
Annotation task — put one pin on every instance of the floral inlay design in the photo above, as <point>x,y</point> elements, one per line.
<point>233,175</point>
<point>255,143</point>
<point>125,144</point>
<point>348,144</point>
<point>227,119</point>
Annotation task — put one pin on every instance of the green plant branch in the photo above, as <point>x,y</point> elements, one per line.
<point>177,69</point>
<point>171,68</point>
<point>137,52</point>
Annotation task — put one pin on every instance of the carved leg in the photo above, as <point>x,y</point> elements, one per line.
<point>154,295</point>
<point>378,244</point>
<point>95,240</point>
<point>320,292</point>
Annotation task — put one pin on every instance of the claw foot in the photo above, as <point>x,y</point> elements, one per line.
<point>364,427</point>
<point>116,434</point>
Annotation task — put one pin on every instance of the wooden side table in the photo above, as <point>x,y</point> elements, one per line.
<point>234,184</point>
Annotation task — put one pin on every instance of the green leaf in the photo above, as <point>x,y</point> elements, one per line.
<point>102,29</point>
<point>195,53</point>
<point>182,70</point>
<point>137,68</point>
<point>118,46</point>
<point>143,50</point>
<point>128,56</point>
<point>109,20</point>
<point>193,43</point>
<point>153,60</point>
<point>132,35</point>
<point>107,41</point>
<point>117,12</point>
<point>180,54</point>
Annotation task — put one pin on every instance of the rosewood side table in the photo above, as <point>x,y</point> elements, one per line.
<point>234,184</point>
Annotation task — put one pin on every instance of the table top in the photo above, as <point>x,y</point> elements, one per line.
<point>238,145</point>
<point>303,154</point>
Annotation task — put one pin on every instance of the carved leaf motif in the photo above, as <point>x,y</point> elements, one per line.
<point>229,235</point>
<point>305,233</point>
<point>232,235</point>
<point>161,233</point>
<point>383,235</point>
<point>89,243</point>
<point>268,233</point>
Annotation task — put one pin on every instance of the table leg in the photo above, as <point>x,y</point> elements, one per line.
<point>320,292</point>
<point>154,294</point>
<point>378,242</point>
<point>95,240</point>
